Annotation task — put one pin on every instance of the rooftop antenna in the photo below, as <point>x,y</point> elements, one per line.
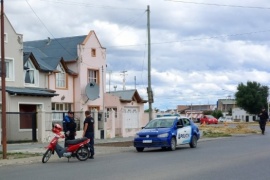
<point>124,79</point>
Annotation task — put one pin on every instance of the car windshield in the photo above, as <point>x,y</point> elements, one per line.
<point>209,116</point>
<point>160,123</point>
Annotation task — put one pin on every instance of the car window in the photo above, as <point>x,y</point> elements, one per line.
<point>186,122</point>
<point>179,122</point>
<point>160,123</point>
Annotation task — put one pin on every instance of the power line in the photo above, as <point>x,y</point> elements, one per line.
<point>222,5</point>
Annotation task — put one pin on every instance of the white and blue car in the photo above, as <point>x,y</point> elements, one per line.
<point>167,132</point>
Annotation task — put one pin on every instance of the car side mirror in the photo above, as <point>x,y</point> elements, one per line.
<point>142,127</point>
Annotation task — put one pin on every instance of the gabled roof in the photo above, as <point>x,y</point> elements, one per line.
<point>44,63</point>
<point>128,95</point>
<point>30,91</point>
<point>65,48</point>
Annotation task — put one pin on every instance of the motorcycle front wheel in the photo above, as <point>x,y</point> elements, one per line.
<point>82,153</point>
<point>46,155</point>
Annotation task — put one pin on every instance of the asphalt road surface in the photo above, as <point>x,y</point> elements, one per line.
<point>233,158</point>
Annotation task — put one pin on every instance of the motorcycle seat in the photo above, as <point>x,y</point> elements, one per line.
<point>76,141</point>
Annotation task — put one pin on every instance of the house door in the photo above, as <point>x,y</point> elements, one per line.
<point>131,117</point>
<point>28,120</point>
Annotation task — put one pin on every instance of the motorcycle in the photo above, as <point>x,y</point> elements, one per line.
<point>75,148</point>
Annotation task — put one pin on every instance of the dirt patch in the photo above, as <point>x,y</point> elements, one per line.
<point>116,144</point>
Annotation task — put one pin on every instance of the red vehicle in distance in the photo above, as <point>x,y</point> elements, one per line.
<point>208,119</point>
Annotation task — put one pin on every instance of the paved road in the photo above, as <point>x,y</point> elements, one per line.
<point>239,158</point>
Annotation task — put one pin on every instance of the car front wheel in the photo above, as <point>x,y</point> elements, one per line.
<point>173,144</point>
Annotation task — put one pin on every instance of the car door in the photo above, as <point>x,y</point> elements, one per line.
<point>183,132</point>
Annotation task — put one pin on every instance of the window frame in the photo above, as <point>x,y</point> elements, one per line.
<point>35,72</point>
<point>61,74</point>
<point>93,52</point>
<point>93,79</point>
<point>60,107</point>
<point>9,64</point>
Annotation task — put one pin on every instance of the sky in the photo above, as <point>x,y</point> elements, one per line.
<point>200,50</point>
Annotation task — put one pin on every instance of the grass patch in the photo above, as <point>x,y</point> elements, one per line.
<point>18,155</point>
<point>226,130</point>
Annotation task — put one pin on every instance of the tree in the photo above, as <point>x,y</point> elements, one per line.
<point>217,113</point>
<point>251,97</point>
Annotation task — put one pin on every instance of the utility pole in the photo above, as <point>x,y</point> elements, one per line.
<point>124,79</point>
<point>3,82</point>
<point>149,89</point>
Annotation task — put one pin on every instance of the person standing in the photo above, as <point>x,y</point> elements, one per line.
<point>263,119</point>
<point>69,126</point>
<point>88,131</point>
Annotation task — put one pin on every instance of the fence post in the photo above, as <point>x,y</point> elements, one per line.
<point>112,115</point>
<point>41,126</point>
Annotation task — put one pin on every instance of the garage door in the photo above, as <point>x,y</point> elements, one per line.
<point>131,117</point>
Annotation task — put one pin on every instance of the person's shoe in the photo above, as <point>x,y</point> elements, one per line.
<point>91,157</point>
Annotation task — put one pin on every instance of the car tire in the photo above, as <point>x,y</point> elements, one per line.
<point>173,144</point>
<point>193,143</point>
<point>139,149</point>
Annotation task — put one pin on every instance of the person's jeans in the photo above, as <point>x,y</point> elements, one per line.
<point>262,125</point>
<point>90,135</point>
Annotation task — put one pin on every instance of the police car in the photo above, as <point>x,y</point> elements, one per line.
<point>167,132</point>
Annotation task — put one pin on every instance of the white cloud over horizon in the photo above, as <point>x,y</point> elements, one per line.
<point>199,52</point>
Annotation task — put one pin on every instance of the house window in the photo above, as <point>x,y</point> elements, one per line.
<point>60,77</point>
<point>30,77</point>
<point>60,107</point>
<point>93,76</point>
<point>9,69</point>
<point>93,52</point>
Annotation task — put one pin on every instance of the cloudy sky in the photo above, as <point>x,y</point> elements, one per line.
<point>200,50</point>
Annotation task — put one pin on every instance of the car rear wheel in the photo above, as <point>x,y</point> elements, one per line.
<point>139,149</point>
<point>173,144</point>
<point>193,143</point>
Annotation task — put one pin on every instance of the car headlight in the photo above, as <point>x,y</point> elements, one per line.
<point>136,136</point>
<point>163,135</point>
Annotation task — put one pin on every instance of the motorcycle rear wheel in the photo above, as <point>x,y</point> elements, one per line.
<point>46,155</point>
<point>82,153</point>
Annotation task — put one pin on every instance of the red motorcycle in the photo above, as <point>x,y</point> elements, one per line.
<point>75,148</point>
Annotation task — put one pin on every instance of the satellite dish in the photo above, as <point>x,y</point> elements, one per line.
<point>92,91</point>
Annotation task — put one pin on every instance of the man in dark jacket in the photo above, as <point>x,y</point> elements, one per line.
<point>88,131</point>
<point>69,126</point>
<point>263,119</point>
